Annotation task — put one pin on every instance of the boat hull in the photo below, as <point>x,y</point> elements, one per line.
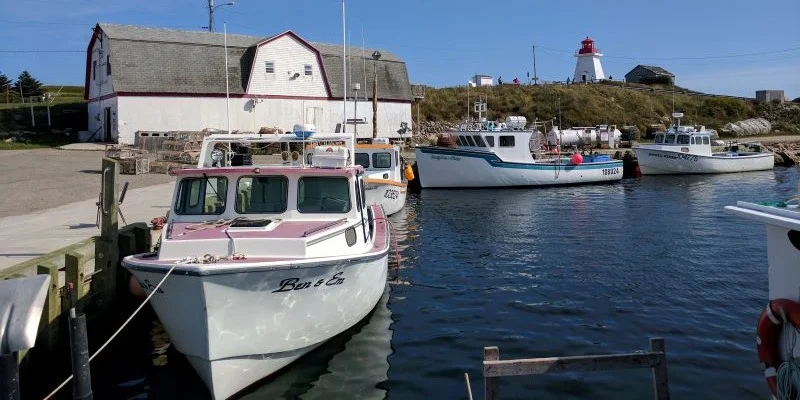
<point>441,167</point>
<point>390,195</point>
<point>243,324</point>
<point>660,162</point>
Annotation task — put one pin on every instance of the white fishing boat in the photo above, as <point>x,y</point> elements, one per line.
<point>498,155</point>
<point>687,150</point>
<point>783,308</point>
<point>267,261</point>
<point>386,174</point>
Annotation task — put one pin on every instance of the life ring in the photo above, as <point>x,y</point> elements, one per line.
<point>770,324</point>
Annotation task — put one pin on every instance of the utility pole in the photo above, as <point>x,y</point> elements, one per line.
<point>375,57</point>
<point>211,15</point>
<point>535,77</point>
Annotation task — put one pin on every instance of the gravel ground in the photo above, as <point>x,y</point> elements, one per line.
<point>33,180</point>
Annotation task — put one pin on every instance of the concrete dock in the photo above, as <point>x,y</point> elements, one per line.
<point>24,237</point>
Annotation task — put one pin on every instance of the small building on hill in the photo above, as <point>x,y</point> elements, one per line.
<point>648,74</point>
<point>770,95</point>
<point>482,80</point>
<point>153,79</point>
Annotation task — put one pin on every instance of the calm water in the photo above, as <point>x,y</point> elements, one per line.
<point>537,272</point>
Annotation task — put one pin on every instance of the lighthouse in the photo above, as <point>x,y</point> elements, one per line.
<point>588,67</point>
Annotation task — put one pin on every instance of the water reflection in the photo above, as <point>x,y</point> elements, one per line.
<point>353,365</point>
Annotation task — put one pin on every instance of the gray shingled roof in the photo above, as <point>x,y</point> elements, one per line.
<point>166,60</point>
<point>656,70</point>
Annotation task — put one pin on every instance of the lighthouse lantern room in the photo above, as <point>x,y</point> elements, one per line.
<point>588,67</point>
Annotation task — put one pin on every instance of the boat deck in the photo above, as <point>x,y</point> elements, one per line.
<point>280,230</point>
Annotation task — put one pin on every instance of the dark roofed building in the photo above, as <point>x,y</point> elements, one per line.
<point>155,79</point>
<point>649,74</point>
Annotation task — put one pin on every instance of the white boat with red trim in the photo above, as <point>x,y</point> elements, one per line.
<point>387,175</point>
<point>265,263</point>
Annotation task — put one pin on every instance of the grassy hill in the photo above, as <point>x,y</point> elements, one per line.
<point>68,110</point>
<point>589,105</point>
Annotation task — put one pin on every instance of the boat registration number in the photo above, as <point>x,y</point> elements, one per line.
<point>391,194</point>
<point>611,171</point>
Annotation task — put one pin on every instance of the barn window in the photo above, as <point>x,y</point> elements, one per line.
<point>308,70</point>
<point>108,65</point>
<point>269,67</point>
<point>94,70</point>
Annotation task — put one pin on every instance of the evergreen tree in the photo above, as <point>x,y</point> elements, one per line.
<point>30,85</point>
<point>5,84</point>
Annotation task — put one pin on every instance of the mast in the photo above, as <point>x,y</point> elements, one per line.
<point>227,87</point>
<point>344,87</point>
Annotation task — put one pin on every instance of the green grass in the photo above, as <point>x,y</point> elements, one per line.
<point>589,105</point>
<point>41,141</point>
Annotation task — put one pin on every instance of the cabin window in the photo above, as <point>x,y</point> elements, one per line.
<point>461,141</point>
<point>362,159</point>
<point>490,140</point>
<point>108,65</point>
<point>669,139</point>
<point>658,139</point>
<point>382,160</point>
<point>479,141</point>
<point>691,140</point>
<point>706,140</point>
<point>683,139</point>
<point>506,141</point>
<point>269,67</point>
<point>323,194</point>
<point>308,70</point>
<point>261,194</point>
<point>201,195</point>
<point>469,141</point>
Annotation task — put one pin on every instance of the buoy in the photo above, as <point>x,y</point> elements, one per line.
<point>555,151</point>
<point>409,173</point>
<point>577,159</point>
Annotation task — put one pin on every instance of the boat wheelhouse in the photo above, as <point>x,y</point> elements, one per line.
<point>261,264</point>
<point>385,174</point>
<point>497,155</point>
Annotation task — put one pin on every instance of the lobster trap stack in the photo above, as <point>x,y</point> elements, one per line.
<point>132,160</point>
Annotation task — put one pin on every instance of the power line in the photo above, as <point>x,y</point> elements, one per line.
<point>6,21</point>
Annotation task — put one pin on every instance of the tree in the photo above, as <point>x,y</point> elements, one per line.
<point>30,85</point>
<point>5,87</point>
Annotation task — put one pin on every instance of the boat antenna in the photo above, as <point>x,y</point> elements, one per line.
<point>344,87</point>
<point>227,87</point>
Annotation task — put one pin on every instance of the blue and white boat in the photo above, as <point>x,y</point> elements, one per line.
<point>499,155</point>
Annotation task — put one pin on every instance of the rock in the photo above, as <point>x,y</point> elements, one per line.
<point>11,139</point>
<point>748,127</point>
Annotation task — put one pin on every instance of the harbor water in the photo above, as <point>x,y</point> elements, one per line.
<point>559,271</point>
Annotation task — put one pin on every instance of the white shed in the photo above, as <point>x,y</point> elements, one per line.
<point>154,79</point>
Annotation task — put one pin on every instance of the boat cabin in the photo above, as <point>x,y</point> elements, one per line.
<point>380,160</point>
<point>688,139</point>
<point>509,145</point>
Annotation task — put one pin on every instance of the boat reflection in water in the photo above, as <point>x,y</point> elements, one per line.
<point>352,365</point>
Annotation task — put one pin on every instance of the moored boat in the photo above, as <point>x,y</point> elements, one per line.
<point>489,155</point>
<point>386,174</point>
<point>687,150</point>
<point>265,262</point>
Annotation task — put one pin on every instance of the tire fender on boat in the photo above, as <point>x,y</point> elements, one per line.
<point>770,326</point>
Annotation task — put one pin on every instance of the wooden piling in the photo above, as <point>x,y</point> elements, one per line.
<point>107,247</point>
<point>492,384</point>
<point>660,381</point>
<point>74,264</point>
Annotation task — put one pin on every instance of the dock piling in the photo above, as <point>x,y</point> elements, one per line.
<point>9,377</point>
<point>79,347</point>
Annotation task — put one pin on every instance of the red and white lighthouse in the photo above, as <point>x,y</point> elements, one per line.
<point>588,67</point>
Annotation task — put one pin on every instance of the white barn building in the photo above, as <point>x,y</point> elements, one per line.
<point>152,79</point>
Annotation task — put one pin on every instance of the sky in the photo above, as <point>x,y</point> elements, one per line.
<point>717,46</point>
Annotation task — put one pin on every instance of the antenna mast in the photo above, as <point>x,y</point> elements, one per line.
<point>344,83</point>
<point>535,76</point>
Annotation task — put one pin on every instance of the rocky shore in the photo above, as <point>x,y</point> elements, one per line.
<point>786,153</point>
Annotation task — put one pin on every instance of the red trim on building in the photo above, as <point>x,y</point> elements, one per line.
<point>304,43</point>
<point>235,96</point>
<point>96,34</point>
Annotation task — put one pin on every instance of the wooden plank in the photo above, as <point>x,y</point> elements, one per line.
<point>536,366</point>
<point>74,273</point>
<point>49,325</point>
<point>491,383</point>
<point>660,381</point>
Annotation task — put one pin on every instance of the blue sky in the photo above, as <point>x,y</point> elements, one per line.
<point>709,45</point>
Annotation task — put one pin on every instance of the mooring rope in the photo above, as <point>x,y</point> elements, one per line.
<point>788,370</point>
<point>154,291</point>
